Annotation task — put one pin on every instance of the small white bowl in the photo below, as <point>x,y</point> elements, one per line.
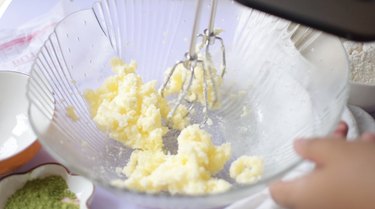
<point>79,185</point>
<point>362,95</point>
<point>18,142</point>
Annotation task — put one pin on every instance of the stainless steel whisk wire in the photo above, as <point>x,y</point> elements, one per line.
<point>209,36</point>
<point>192,60</point>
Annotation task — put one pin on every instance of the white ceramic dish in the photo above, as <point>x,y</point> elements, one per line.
<point>18,142</point>
<point>366,122</point>
<point>363,96</point>
<point>80,186</point>
<point>360,94</point>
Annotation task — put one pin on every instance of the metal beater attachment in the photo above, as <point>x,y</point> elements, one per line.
<point>192,61</point>
<point>209,37</point>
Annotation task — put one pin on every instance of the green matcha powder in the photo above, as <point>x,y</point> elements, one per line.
<point>47,193</point>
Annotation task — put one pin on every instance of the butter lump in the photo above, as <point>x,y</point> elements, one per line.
<point>71,113</point>
<point>197,143</point>
<point>247,169</point>
<point>190,171</point>
<point>180,119</point>
<point>196,90</point>
<point>131,111</point>
<point>134,113</point>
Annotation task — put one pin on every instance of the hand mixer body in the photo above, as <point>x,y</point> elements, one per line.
<point>351,19</point>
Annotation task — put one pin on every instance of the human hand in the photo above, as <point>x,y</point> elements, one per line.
<point>344,176</point>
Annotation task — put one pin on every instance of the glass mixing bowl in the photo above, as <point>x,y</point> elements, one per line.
<point>283,81</point>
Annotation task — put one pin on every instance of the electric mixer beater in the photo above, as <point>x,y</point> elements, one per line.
<point>194,60</point>
<point>316,15</point>
<point>209,36</point>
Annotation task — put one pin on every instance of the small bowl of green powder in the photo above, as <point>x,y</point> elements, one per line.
<point>49,186</point>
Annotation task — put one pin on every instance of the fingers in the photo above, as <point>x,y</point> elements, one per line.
<point>341,130</point>
<point>292,194</point>
<point>368,137</point>
<point>307,192</point>
<point>283,193</point>
<point>317,150</point>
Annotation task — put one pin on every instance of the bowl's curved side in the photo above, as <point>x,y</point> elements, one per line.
<point>73,60</point>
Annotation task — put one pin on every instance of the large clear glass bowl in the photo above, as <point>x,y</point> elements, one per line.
<point>283,81</point>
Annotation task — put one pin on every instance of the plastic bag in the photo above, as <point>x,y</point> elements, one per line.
<point>19,46</point>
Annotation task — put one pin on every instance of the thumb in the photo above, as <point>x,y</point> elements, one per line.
<point>284,193</point>
<point>295,193</point>
<point>318,150</point>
